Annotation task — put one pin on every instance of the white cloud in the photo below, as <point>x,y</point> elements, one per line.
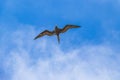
<point>85,63</point>
<point>66,66</point>
<point>88,62</point>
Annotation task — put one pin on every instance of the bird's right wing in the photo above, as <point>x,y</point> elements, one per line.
<point>46,32</point>
<point>68,27</point>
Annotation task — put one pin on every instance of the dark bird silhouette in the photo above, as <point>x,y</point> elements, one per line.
<point>57,31</point>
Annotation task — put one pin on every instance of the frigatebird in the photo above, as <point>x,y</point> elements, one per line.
<point>56,31</point>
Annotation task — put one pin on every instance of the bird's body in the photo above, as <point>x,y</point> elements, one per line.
<point>56,31</point>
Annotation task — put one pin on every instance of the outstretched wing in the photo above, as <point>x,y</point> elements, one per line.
<point>68,27</point>
<point>46,32</point>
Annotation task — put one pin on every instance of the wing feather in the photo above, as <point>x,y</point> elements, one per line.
<point>46,32</point>
<point>68,27</point>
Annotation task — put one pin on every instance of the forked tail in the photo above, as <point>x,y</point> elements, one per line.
<point>58,38</point>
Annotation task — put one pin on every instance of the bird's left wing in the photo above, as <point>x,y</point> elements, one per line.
<point>46,32</point>
<point>68,27</point>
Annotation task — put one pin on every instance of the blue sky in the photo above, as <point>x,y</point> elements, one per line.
<point>88,53</point>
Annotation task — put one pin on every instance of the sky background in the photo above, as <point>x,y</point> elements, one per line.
<point>91,52</point>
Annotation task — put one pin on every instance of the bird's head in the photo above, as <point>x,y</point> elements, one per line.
<point>56,27</point>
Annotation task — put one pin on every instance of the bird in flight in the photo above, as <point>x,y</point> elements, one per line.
<point>56,31</point>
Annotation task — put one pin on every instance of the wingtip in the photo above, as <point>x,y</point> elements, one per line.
<point>79,26</point>
<point>35,38</point>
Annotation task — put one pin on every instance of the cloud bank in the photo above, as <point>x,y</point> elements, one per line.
<point>45,60</point>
